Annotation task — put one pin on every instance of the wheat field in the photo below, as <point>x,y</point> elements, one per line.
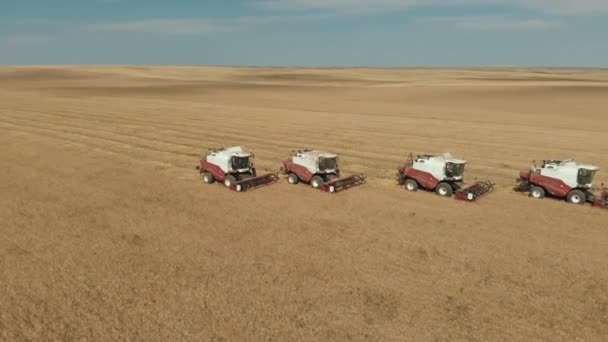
<point>108,233</point>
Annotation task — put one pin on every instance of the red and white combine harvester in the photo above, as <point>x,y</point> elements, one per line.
<point>563,179</point>
<point>319,169</point>
<point>234,167</point>
<point>442,174</point>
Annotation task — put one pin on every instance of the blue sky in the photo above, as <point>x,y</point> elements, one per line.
<point>306,32</point>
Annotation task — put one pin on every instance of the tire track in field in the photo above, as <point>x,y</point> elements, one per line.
<point>88,138</point>
<point>354,158</point>
<point>377,172</point>
<point>379,132</point>
<point>383,132</point>
<point>93,143</point>
<point>366,156</point>
<point>386,173</point>
<point>60,134</point>
<point>85,137</point>
<point>93,133</point>
<point>180,129</point>
<point>179,133</point>
<point>238,133</point>
<point>360,157</point>
<point>103,146</point>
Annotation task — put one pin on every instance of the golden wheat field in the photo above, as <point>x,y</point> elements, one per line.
<point>108,233</point>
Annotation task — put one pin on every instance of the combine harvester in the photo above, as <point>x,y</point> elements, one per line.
<point>319,169</point>
<point>442,174</point>
<point>234,167</point>
<point>562,179</point>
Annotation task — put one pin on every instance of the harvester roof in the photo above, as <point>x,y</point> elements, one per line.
<point>236,151</point>
<point>446,158</point>
<point>316,154</point>
<point>570,164</point>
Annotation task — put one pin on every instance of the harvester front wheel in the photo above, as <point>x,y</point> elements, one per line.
<point>444,189</point>
<point>292,178</point>
<point>411,185</point>
<point>208,178</point>
<point>316,182</point>
<point>229,180</point>
<point>576,197</point>
<point>537,192</point>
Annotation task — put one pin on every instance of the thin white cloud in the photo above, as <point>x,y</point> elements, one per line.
<point>18,47</point>
<point>570,7</point>
<point>288,11</point>
<point>554,7</point>
<point>19,41</point>
<point>340,5</point>
<point>494,23</point>
<point>169,26</point>
<point>197,25</point>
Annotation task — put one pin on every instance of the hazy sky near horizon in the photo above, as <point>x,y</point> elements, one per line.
<point>306,32</point>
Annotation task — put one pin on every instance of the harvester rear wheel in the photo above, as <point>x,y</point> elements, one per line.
<point>229,180</point>
<point>208,178</point>
<point>316,182</point>
<point>537,192</point>
<point>444,189</point>
<point>292,178</point>
<point>411,185</point>
<point>576,197</point>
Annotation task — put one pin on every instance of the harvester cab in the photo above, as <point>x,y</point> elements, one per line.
<point>234,168</point>
<point>317,162</point>
<point>443,167</point>
<point>564,179</point>
<point>319,169</point>
<point>572,173</point>
<point>232,160</point>
<point>443,174</point>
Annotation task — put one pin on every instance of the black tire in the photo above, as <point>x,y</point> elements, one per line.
<point>411,185</point>
<point>576,197</point>
<point>292,178</point>
<point>316,182</point>
<point>208,178</point>
<point>229,180</point>
<point>444,189</point>
<point>537,192</point>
